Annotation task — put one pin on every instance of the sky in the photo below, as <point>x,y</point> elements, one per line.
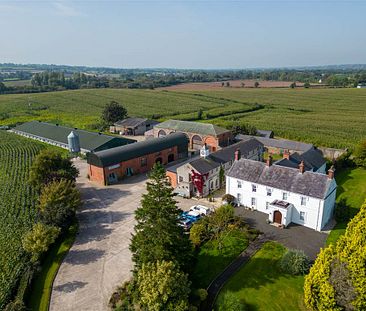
<point>206,34</point>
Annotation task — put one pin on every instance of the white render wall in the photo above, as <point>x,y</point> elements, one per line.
<point>313,208</point>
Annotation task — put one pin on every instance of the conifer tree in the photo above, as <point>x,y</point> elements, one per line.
<point>158,235</point>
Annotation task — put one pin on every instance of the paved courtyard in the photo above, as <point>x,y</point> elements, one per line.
<point>100,260</point>
<point>294,236</point>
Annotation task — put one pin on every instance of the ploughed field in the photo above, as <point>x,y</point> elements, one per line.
<point>325,117</point>
<point>17,213</point>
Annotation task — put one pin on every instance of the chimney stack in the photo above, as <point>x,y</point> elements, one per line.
<point>237,154</point>
<point>269,160</point>
<point>302,167</point>
<point>331,172</point>
<point>286,154</point>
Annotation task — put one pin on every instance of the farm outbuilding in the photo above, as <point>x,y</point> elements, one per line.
<point>57,135</point>
<point>109,166</point>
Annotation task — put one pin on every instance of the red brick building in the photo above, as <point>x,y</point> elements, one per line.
<point>199,134</point>
<point>110,166</point>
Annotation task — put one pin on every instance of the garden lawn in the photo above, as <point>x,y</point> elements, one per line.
<point>211,261</point>
<point>352,188</point>
<point>261,286</point>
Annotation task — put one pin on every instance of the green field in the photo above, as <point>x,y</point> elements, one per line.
<point>261,285</point>
<point>325,117</point>
<point>17,212</point>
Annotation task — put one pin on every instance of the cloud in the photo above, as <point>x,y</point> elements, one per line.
<point>66,10</point>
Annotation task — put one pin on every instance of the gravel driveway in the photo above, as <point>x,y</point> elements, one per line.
<point>99,260</point>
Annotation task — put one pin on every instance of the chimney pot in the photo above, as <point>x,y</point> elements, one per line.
<point>302,167</point>
<point>237,154</point>
<point>331,172</point>
<point>269,160</point>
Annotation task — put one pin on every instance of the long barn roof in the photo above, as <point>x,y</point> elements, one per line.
<point>88,140</point>
<point>119,154</point>
<point>192,127</point>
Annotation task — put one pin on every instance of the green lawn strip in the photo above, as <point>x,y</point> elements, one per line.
<point>211,261</point>
<point>351,187</point>
<point>262,286</point>
<point>42,285</point>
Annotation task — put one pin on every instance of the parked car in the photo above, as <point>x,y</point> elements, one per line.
<point>185,223</point>
<point>203,210</point>
<point>193,216</point>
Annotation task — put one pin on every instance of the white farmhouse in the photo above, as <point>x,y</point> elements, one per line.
<point>286,194</point>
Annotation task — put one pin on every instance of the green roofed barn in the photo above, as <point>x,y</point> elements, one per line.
<point>109,166</point>
<point>55,134</point>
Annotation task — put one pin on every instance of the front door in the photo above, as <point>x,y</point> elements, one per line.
<point>277,217</point>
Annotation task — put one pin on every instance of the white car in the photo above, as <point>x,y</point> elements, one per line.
<point>202,210</point>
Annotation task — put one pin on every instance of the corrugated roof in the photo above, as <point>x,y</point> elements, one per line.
<point>131,122</point>
<point>88,140</point>
<point>285,178</point>
<point>192,127</point>
<point>278,143</point>
<point>119,154</point>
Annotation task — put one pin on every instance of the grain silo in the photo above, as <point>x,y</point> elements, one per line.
<point>73,142</point>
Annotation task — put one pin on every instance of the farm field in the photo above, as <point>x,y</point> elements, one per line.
<point>17,212</point>
<point>325,117</point>
<point>262,286</point>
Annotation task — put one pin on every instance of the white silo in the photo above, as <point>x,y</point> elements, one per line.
<point>73,142</point>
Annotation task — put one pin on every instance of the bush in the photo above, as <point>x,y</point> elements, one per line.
<point>230,302</point>
<point>198,233</point>
<point>230,199</point>
<point>295,262</point>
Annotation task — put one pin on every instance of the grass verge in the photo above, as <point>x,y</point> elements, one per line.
<point>211,260</point>
<point>42,285</point>
<point>351,187</point>
<point>262,286</point>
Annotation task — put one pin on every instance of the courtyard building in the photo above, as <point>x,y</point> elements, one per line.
<point>199,134</point>
<point>133,126</point>
<point>110,166</point>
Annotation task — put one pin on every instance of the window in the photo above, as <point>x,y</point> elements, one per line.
<point>239,184</point>
<point>302,216</point>
<point>303,201</point>
<point>180,178</point>
<point>238,197</point>
<point>284,195</point>
<point>267,205</point>
<point>253,202</point>
<point>254,188</point>
<point>269,192</point>
<point>143,161</point>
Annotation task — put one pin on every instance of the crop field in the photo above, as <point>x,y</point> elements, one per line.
<point>17,200</point>
<point>325,117</point>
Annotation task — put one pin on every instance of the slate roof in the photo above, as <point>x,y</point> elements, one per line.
<point>278,143</point>
<point>313,160</point>
<point>88,140</point>
<point>204,165</point>
<point>265,133</point>
<point>134,122</point>
<point>117,155</point>
<point>289,179</point>
<point>227,154</point>
<point>192,127</point>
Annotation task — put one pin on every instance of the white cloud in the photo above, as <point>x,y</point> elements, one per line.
<point>66,10</point>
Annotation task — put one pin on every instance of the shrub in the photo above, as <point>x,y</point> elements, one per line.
<point>230,199</point>
<point>295,262</point>
<point>198,233</point>
<point>230,302</point>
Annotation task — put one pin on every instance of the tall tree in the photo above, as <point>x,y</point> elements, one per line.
<point>58,203</point>
<point>158,235</point>
<point>337,279</point>
<point>113,112</point>
<point>50,165</point>
<point>163,287</point>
